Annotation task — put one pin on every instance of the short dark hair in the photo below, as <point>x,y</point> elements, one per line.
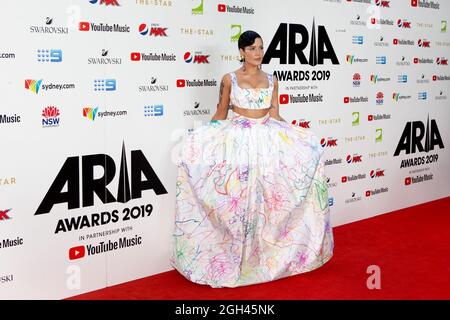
<point>247,38</point>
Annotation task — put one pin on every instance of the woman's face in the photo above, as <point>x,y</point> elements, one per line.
<point>254,53</point>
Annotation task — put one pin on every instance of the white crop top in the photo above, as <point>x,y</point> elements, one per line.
<point>251,98</point>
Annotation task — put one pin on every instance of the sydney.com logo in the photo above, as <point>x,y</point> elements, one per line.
<point>36,86</point>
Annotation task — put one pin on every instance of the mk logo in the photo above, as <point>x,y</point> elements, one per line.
<point>106,2</point>
<point>158,32</point>
<point>201,59</point>
<point>3,214</point>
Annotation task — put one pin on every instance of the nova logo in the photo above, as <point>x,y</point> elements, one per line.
<point>423,43</point>
<point>320,49</point>
<point>197,58</point>
<point>376,173</point>
<point>198,10</point>
<point>236,33</point>
<point>379,135</point>
<point>153,110</point>
<point>414,134</point>
<point>4,214</point>
<point>382,3</point>
<point>355,116</point>
<point>328,142</point>
<point>50,117</point>
<point>381,60</point>
<point>129,187</point>
<point>46,55</point>
<point>404,24</point>
<point>105,85</point>
<point>90,113</point>
<point>357,39</point>
<point>105,2</point>
<point>442,61</point>
<point>354,158</point>
<point>155,30</point>
<point>33,85</point>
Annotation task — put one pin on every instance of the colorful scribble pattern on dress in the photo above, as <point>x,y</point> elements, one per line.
<point>251,203</point>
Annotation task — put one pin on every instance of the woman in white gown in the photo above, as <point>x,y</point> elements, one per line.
<point>251,194</point>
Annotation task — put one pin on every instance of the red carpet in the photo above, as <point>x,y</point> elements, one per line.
<point>411,247</point>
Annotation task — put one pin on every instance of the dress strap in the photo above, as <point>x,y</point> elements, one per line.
<point>270,77</point>
<point>233,78</point>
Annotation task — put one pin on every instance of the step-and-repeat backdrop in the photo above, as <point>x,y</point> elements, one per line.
<point>97,96</point>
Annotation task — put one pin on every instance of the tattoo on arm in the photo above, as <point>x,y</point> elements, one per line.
<point>221,90</point>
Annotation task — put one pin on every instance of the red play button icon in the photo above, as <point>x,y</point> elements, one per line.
<point>221,7</point>
<point>395,41</point>
<point>135,56</point>
<point>414,3</point>
<point>76,252</point>
<point>416,60</point>
<point>181,83</point>
<point>370,117</point>
<point>284,98</point>
<point>434,78</point>
<point>407,181</point>
<point>344,179</point>
<point>346,99</point>
<point>368,193</point>
<point>84,26</point>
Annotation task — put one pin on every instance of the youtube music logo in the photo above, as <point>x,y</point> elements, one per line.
<point>84,26</point>
<point>77,252</point>
<point>284,98</point>
<point>135,56</point>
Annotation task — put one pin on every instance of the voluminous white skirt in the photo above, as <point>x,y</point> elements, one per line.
<point>251,203</point>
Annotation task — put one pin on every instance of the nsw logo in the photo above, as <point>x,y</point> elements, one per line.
<point>50,117</point>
